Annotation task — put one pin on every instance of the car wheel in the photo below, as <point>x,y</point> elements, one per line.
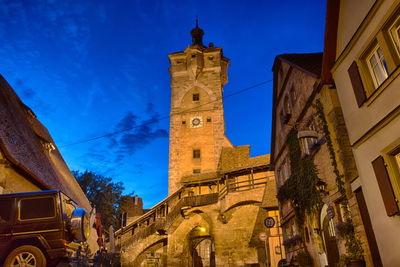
<point>25,256</point>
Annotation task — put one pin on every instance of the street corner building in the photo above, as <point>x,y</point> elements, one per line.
<point>219,196</point>
<point>29,158</point>
<point>309,147</point>
<point>366,73</point>
<point>335,135</point>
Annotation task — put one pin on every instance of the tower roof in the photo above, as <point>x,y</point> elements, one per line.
<point>197,34</point>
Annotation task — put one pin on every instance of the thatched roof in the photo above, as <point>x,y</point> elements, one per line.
<point>27,144</point>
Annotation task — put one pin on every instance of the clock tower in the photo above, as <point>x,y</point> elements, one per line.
<point>197,126</point>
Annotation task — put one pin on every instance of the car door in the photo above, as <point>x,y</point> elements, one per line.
<point>7,214</point>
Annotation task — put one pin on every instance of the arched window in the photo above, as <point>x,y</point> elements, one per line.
<point>293,95</point>
<point>286,105</point>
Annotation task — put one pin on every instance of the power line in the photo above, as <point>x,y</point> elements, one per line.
<point>164,117</point>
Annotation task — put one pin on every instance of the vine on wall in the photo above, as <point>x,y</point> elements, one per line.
<point>300,189</point>
<point>346,229</point>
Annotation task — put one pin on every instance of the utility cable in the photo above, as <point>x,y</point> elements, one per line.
<point>165,117</point>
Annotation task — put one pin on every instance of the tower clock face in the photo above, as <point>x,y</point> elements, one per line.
<point>196,122</point>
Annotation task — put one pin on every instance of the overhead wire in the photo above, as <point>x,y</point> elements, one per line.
<point>164,117</point>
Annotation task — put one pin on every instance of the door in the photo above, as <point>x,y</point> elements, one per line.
<point>330,242</point>
<point>204,254</point>
<point>7,207</point>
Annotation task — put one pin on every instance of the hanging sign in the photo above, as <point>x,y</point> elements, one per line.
<point>331,212</point>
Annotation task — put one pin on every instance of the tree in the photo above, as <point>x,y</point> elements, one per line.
<point>103,193</point>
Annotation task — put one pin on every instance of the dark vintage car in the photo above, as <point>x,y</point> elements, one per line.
<point>36,228</point>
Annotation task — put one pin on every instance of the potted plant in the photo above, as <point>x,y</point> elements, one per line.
<point>304,258</point>
<point>354,256</point>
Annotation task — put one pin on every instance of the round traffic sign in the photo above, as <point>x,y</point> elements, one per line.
<point>269,222</point>
<point>263,236</point>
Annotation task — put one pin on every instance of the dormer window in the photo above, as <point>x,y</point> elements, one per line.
<point>196,97</point>
<point>48,146</point>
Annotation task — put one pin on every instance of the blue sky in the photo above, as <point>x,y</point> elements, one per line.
<point>91,67</point>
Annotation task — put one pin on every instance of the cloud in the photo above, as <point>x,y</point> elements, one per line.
<point>136,133</point>
<point>127,122</point>
<point>140,133</point>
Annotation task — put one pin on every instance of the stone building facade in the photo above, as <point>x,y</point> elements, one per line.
<point>219,196</point>
<point>197,124</point>
<point>305,90</point>
<point>299,89</point>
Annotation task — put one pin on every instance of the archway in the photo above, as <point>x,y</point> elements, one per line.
<point>329,238</point>
<point>202,248</point>
<point>152,256</point>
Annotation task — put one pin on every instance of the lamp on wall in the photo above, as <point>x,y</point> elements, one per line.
<point>307,134</point>
<point>321,187</point>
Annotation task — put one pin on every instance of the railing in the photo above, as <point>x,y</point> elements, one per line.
<point>242,185</point>
<point>160,224</point>
<point>200,200</point>
<point>161,216</point>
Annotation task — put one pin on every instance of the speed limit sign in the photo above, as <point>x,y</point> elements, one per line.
<point>269,222</point>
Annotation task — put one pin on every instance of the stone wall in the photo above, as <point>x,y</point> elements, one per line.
<point>232,222</point>
<point>11,180</point>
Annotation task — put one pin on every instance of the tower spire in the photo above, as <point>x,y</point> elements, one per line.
<point>197,34</point>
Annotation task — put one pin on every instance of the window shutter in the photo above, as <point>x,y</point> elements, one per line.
<point>357,84</point>
<point>385,186</point>
<point>373,246</point>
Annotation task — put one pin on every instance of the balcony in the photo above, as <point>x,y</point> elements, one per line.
<point>243,185</point>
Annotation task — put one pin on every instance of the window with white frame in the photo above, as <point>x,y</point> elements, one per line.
<point>395,34</point>
<point>378,60</point>
<point>396,156</point>
<point>285,170</point>
<point>293,95</point>
<point>286,105</point>
<point>377,66</point>
<point>278,177</point>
